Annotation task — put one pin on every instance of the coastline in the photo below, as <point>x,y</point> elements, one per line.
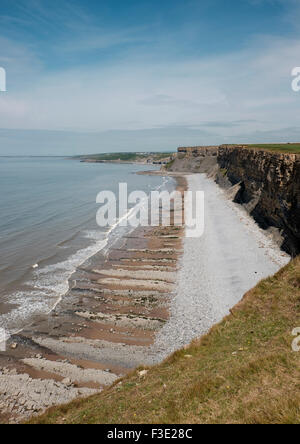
<point>216,270</point>
<point>101,329</point>
<point>135,304</point>
<point>60,233</point>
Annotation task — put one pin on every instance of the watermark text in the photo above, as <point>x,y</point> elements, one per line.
<point>2,80</point>
<point>296,341</point>
<point>160,208</point>
<point>3,339</point>
<point>296,80</point>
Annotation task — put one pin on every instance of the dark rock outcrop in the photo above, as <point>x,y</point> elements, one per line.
<point>267,184</point>
<point>269,188</point>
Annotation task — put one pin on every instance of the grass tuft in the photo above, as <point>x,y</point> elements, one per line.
<point>286,148</point>
<point>242,371</point>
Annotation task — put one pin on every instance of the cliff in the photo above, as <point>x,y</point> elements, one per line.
<point>199,151</point>
<point>196,159</point>
<point>269,188</point>
<point>266,182</point>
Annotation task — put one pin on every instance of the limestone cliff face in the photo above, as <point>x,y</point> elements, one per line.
<point>198,151</point>
<point>269,188</point>
<point>269,184</point>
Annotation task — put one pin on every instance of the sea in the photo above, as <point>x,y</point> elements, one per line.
<point>48,227</point>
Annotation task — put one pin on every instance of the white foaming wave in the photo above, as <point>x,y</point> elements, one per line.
<point>49,285</point>
<point>92,234</point>
<point>51,282</point>
<point>33,304</point>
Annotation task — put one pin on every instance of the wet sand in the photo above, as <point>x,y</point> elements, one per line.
<point>103,328</point>
<point>152,293</point>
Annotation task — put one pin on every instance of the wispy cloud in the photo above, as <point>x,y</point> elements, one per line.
<point>112,87</point>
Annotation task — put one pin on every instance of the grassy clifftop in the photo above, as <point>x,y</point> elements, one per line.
<point>243,371</point>
<point>285,148</point>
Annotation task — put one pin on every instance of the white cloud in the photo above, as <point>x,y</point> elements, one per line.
<point>140,92</point>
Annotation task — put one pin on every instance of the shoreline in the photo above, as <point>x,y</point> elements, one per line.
<point>218,269</point>
<point>100,329</point>
<point>137,304</point>
<point>34,278</point>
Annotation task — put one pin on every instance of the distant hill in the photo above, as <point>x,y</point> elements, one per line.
<point>135,157</point>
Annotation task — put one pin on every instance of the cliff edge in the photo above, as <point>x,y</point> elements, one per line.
<point>269,187</point>
<point>266,182</point>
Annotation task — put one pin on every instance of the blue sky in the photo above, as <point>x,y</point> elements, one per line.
<point>112,75</point>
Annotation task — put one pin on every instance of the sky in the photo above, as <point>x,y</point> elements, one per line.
<point>91,76</point>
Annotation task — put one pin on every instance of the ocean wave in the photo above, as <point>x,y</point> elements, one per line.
<point>50,282</point>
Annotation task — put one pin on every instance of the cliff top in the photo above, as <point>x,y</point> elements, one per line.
<point>284,148</point>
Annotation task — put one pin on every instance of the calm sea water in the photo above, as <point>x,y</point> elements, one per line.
<point>48,218</point>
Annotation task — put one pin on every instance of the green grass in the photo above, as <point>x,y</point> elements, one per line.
<point>124,157</point>
<point>170,164</point>
<point>292,148</point>
<point>242,371</point>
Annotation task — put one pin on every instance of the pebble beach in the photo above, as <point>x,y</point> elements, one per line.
<point>151,294</point>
